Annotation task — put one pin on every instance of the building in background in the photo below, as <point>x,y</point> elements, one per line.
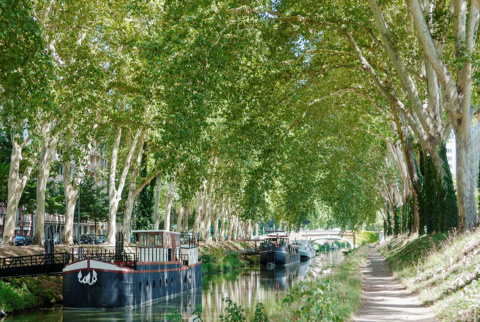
<point>25,223</point>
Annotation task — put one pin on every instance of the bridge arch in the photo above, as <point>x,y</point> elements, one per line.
<point>332,238</point>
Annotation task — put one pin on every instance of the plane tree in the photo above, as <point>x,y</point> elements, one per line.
<point>25,89</point>
<point>337,35</point>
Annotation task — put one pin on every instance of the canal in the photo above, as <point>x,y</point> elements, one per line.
<point>246,288</point>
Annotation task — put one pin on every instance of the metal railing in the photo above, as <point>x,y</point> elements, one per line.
<point>33,265</point>
<point>188,241</point>
<point>183,259</point>
<point>127,259</point>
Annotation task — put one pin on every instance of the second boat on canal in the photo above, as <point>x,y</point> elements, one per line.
<point>278,250</point>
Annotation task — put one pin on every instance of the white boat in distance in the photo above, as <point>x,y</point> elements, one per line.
<point>305,249</point>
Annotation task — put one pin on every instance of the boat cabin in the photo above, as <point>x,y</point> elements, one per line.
<point>166,246</point>
<point>280,240</point>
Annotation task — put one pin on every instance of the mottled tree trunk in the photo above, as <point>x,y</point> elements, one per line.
<point>44,166</point>
<point>16,184</point>
<point>114,194</point>
<point>199,210</point>
<point>168,208</point>
<point>156,212</point>
<point>71,196</point>
<point>181,215</point>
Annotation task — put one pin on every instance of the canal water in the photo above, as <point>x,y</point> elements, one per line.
<point>246,288</point>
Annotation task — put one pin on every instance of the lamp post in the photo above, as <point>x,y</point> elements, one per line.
<point>78,220</point>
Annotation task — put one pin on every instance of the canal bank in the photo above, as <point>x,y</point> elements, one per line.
<point>283,294</point>
<point>18,295</point>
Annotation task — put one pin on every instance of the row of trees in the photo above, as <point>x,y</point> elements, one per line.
<point>246,110</point>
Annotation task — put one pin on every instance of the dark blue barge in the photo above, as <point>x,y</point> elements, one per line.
<point>164,264</point>
<point>277,249</point>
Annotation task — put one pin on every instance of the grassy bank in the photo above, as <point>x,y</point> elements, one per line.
<point>27,293</point>
<point>334,297</point>
<point>221,256</point>
<point>443,269</point>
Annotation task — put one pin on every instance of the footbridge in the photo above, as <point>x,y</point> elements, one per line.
<point>327,235</point>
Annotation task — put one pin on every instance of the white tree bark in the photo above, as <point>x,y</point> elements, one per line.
<point>456,94</point>
<point>181,215</point>
<point>16,184</point>
<point>188,212</point>
<point>156,212</point>
<point>114,194</point>
<point>168,207</point>
<point>199,210</point>
<point>46,155</point>
<point>217,231</point>
<point>223,218</point>
<point>71,196</point>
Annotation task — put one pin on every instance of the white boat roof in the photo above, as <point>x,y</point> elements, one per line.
<point>155,231</point>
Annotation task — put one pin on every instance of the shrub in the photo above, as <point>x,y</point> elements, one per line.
<point>16,298</point>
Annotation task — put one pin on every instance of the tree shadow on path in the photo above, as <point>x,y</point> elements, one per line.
<point>386,299</point>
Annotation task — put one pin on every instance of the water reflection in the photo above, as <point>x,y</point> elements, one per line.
<point>250,288</point>
<point>246,288</point>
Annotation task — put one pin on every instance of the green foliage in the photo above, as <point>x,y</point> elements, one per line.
<point>144,215</point>
<point>446,208</point>
<point>198,314</point>
<point>93,200</point>
<point>259,315</point>
<point>325,248</point>
<point>215,260</point>
<point>438,209</point>
<point>234,312</point>
<point>366,237</point>
<point>16,297</point>
<point>232,260</point>
<point>174,315</point>
<point>207,263</point>
<point>331,298</point>
<point>54,198</point>
<point>5,152</point>
<point>407,214</point>
<point>397,220</point>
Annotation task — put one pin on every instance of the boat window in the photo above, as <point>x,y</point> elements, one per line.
<point>153,283</point>
<point>185,279</point>
<point>149,240</point>
<point>177,241</point>
<point>140,287</point>
<point>172,280</point>
<point>167,241</point>
<point>143,240</point>
<point>158,240</point>
<point>160,283</point>
<point>166,282</point>
<point>146,286</point>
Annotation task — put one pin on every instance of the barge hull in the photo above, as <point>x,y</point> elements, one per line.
<point>96,284</point>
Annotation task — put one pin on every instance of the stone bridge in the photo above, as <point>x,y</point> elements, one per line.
<point>327,235</point>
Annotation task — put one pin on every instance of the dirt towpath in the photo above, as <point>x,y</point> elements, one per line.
<point>386,299</point>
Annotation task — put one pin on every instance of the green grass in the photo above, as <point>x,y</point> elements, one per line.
<point>334,297</point>
<point>443,269</point>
